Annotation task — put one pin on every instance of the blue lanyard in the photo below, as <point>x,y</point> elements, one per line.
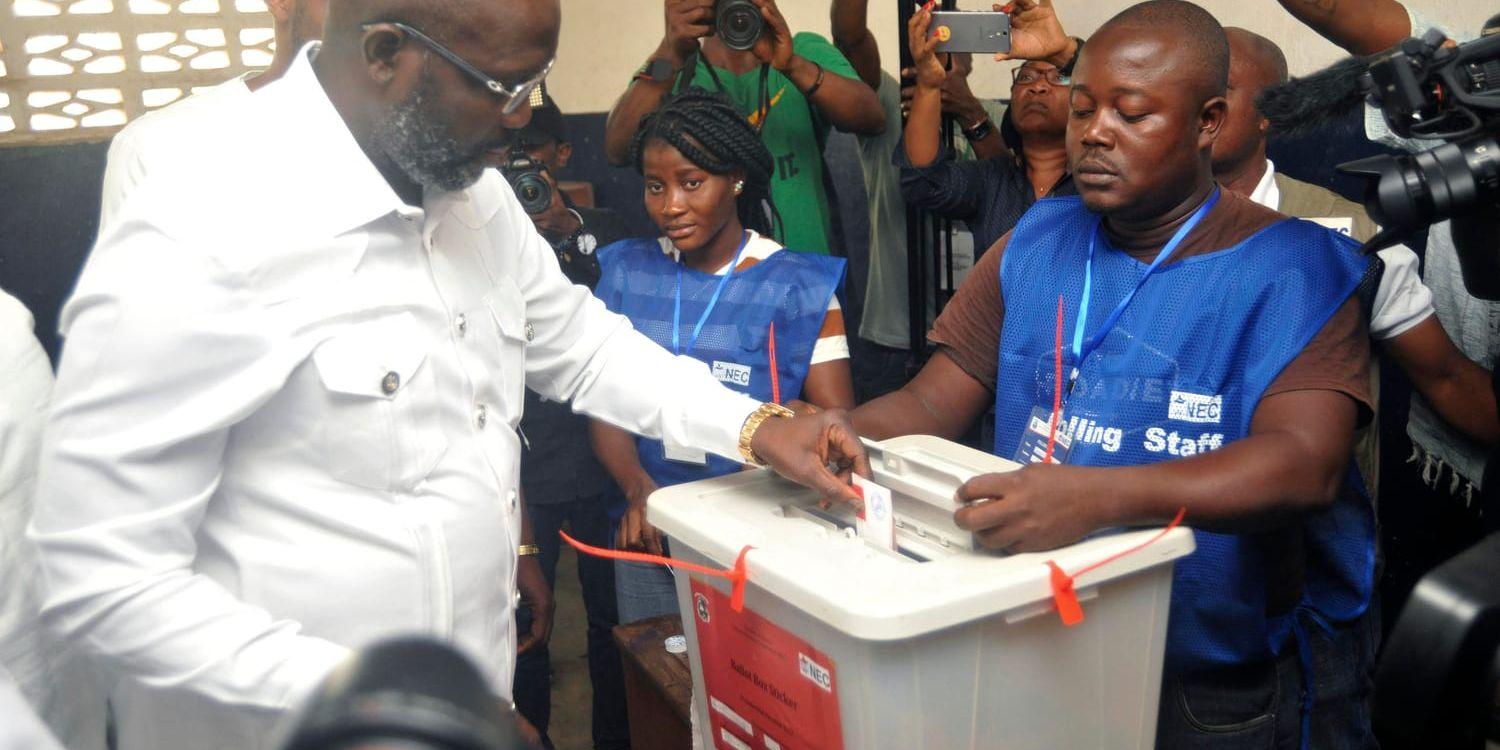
<point>1082,351</point>
<point>712,301</point>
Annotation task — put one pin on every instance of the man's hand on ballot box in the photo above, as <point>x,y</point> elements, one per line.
<point>819,450</point>
<point>1037,507</point>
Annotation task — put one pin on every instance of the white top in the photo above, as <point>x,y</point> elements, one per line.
<point>1401,299</point>
<point>833,343</point>
<point>284,423</point>
<point>22,729</point>
<point>136,149</point>
<point>56,682</point>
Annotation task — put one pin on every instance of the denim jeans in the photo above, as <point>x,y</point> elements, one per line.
<point>645,590</point>
<point>1260,705</point>
<point>1256,705</point>
<point>588,522</point>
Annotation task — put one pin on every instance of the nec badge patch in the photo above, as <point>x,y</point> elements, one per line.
<point>732,374</point>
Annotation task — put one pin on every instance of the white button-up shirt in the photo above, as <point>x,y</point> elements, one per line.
<point>54,679</point>
<point>284,422</point>
<point>133,150</point>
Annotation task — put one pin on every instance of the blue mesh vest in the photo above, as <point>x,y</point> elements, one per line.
<point>1181,373</point>
<point>792,289</point>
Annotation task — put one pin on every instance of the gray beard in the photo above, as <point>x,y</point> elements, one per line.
<point>422,147</point>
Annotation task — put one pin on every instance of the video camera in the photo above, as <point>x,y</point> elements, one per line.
<point>412,693</point>
<point>1428,90</point>
<point>525,177</point>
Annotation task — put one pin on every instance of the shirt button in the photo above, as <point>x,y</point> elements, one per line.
<point>462,323</point>
<point>481,415</point>
<point>390,382</point>
<point>530,331</point>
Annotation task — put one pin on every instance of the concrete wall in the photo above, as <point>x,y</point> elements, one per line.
<point>604,41</point>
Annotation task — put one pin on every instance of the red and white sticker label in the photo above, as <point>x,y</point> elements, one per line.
<point>767,688</point>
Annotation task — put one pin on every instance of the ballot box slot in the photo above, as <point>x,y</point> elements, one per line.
<point>914,542</point>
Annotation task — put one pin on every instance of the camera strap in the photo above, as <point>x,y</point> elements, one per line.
<point>763,90</point>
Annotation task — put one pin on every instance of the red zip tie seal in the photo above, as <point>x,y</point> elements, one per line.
<point>1066,598</point>
<point>736,575</point>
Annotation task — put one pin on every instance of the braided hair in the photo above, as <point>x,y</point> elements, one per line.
<point>706,128</point>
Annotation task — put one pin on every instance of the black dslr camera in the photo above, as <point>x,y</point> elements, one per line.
<point>525,177</point>
<point>738,23</point>
<point>1426,90</point>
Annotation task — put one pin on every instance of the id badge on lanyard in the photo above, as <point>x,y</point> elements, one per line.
<point>1039,432</point>
<point>673,450</point>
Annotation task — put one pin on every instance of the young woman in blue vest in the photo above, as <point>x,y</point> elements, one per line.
<point>718,288</point>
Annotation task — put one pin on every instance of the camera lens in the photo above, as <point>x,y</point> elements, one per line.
<point>739,23</point>
<point>1414,190</point>
<point>532,191</point>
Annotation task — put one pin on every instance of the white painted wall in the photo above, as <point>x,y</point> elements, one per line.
<point>605,41</point>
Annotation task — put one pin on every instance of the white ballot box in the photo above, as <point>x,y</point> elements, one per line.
<point>936,645</point>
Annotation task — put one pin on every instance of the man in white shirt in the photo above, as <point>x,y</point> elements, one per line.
<point>55,680</point>
<point>1365,27</point>
<point>134,150</point>
<point>1402,318</point>
<point>284,422</point>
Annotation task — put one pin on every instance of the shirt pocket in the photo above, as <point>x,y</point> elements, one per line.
<point>380,428</point>
<point>507,310</point>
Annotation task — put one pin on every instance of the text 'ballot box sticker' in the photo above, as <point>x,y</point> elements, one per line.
<point>766,686</point>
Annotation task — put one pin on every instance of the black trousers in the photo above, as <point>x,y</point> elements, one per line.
<point>588,522</point>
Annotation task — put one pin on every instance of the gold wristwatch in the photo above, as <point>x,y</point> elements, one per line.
<point>528,549</point>
<point>753,422</point>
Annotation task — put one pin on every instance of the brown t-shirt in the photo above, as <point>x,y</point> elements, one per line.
<point>1336,359</point>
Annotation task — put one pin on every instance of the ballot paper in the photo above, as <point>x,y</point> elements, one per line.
<point>877,522</point>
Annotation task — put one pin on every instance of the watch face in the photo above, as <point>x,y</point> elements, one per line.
<point>587,243</point>
<point>660,70</point>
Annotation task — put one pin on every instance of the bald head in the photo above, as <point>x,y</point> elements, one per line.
<point>1239,155</point>
<point>1196,38</point>
<point>493,24</point>
<point>424,85</point>
<point>1260,56</point>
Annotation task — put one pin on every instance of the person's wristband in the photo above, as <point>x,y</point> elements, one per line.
<point>817,84</point>
<point>979,131</point>
<point>1066,69</point>
<point>528,549</point>
<point>753,423</point>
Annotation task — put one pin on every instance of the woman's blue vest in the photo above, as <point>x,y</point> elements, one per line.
<point>1181,373</point>
<point>639,281</point>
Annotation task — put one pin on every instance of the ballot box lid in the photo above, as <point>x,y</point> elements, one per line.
<point>802,556</point>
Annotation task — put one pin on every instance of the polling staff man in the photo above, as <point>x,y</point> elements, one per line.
<point>1213,358</point>
<point>284,425</point>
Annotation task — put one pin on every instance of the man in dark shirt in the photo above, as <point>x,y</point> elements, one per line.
<point>563,484</point>
<point>1228,386</point>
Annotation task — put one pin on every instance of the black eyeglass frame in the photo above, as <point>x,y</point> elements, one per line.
<point>1053,76</point>
<point>515,95</point>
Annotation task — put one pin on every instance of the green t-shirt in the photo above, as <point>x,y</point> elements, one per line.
<point>794,133</point>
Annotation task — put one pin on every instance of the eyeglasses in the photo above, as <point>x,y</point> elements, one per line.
<point>1024,76</point>
<point>514,95</point>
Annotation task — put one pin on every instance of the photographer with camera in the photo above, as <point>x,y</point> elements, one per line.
<point>881,362</point>
<point>792,89</point>
<point>561,480</point>
<point>1401,316</point>
<point>991,194</point>
<point>1442,438</point>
